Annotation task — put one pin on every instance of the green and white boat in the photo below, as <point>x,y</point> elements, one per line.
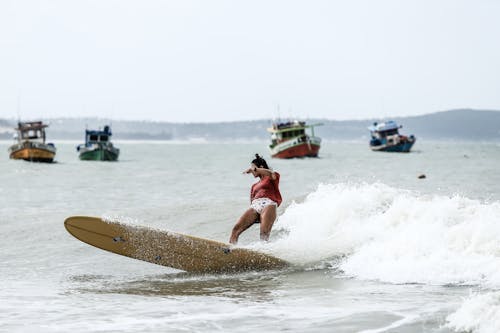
<point>97,146</point>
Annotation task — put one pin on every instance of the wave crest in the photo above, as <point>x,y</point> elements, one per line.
<point>393,235</point>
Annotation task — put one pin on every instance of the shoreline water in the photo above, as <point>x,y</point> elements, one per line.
<point>375,249</point>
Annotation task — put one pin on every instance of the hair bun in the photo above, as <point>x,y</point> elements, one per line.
<point>260,162</point>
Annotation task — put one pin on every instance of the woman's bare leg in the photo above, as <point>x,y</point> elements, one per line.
<point>245,221</point>
<point>267,219</point>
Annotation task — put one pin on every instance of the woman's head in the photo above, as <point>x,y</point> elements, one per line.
<point>259,162</point>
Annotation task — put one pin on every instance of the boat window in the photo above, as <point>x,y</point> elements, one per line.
<point>31,134</point>
<point>103,138</point>
<point>93,137</point>
<point>390,132</point>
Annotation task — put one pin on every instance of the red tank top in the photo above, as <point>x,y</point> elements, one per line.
<point>267,188</point>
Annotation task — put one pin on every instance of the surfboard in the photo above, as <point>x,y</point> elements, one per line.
<point>167,248</point>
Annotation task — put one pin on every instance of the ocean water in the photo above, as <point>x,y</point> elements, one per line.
<point>373,247</point>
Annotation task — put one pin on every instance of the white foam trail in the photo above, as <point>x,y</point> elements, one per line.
<point>396,324</point>
<point>393,235</point>
<point>478,313</point>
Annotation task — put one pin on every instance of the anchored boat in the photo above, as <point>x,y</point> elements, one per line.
<point>31,144</point>
<point>290,140</point>
<point>97,146</point>
<point>386,137</point>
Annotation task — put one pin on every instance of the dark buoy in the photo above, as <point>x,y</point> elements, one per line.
<point>422,176</point>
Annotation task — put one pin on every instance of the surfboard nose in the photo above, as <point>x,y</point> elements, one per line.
<point>84,222</point>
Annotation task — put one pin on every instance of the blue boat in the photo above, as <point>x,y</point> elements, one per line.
<point>386,137</point>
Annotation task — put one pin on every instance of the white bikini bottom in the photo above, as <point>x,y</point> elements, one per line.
<point>259,204</point>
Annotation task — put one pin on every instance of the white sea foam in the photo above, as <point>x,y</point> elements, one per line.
<point>392,235</point>
<point>478,313</point>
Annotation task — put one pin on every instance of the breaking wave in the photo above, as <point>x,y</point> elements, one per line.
<point>377,232</point>
<point>478,313</point>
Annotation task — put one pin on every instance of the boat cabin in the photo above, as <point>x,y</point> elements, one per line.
<point>97,136</point>
<point>285,131</point>
<point>383,130</point>
<point>30,131</point>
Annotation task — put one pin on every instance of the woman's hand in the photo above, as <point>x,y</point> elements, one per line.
<point>250,170</point>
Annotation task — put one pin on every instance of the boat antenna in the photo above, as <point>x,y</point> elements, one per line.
<point>18,109</point>
<point>382,106</point>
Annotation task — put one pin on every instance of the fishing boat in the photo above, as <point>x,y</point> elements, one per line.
<point>289,140</point>
<point>385,137</point>
<point>31,144</point>
<point>97,146</point>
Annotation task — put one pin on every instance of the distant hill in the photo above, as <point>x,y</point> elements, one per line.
<point>457,124</point>
<point>463,124</point>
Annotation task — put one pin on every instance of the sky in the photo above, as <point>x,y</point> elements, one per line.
<point>207,61</point>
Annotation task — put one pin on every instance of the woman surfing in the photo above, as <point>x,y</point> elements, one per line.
<point>265,197</point>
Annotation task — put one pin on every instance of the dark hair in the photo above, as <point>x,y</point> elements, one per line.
<point>260,162</point>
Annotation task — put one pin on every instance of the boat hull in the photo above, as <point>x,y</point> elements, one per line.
<point>32,152</point>
<point>99,154</point>
<point>403,147</point>
<point>296,148</point>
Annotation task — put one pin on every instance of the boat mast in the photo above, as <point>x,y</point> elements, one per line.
<point>18,109</point>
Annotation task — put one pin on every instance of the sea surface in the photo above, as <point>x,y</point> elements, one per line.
<point>373,247</point>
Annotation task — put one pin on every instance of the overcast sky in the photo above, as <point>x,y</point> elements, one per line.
<point>185,60</point>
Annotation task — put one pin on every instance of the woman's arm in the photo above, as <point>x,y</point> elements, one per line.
<point>261,172</point>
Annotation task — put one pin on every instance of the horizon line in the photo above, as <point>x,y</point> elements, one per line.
<point>250,120</point>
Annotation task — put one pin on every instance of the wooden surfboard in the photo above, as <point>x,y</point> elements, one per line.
<point>188,253</point>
